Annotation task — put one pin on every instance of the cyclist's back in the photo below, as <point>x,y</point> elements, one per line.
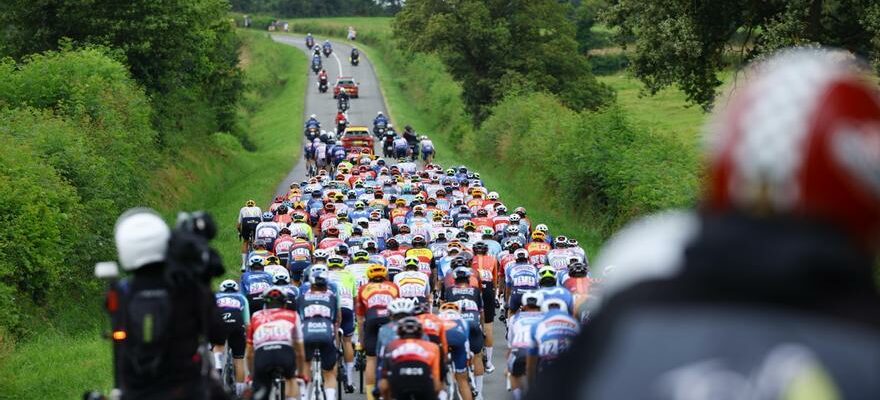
<point>411,366</point>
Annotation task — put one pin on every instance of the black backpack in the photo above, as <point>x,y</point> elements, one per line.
<point>147,322</point>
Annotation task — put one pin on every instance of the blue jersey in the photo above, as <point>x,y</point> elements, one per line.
<point>233,307</point>
<point>253,283</point>
<point>552,336</point>
<point>519,329</point>
<point>560,293</point>
<point>318,310</point>
<point>521,277</point>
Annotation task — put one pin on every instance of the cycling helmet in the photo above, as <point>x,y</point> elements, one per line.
<point>482,212</point>
<point>572,242</point>
<point>481,248</point>
<point>369,245</point>
<point>228,285</point>
<point>281,278</point>
<point>514,219</point>
<point>377,271</point>
<point>392,244</point>
<point>401,306</point>
<point>470,226</point>
<point>360,256</point>
<point>521,211</point>
<point>274,296</point>
<point>313,116</point>
<point>542,228</point>
<point>299,218</point>
<point>491,195</point>
<point>488,232</point>
<point>521,254</point>
<point>336,262</point>
<point>272,260</point>
<point>560,242</point>
<point>459,262</point>
<point>462,274</point>
<point>332,231</point>
<point>437,217</point>
<point>342,250</point>
<point>282,209</point>
<point>512,230</point>
<point>362,222</point>
<point>462,235</point>
<point>256,261</point>
<point>450,172</point>
<point>318,278</point>
<point>342,215</point>
<point>411,264</point>
<point>359,205</point>
<point>267,216</point>
<point>552,304</point>
<point>409,328</point>
<point>419,241</point>
<point>321,254</point>
<point>404,229</point>
<point>317,268</point>
<point>250,203</point>
<point>450,306</point>
<point>547,273</point>
<point>447,220</point>
<point>577,269</point>
<point>539,236</point>
<point>532,298</point>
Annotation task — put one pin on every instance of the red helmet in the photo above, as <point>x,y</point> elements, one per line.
<point>802,137</point>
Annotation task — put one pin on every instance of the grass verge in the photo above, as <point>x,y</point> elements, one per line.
<point>216,175</point>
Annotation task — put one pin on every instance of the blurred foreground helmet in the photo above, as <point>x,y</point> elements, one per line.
<point>802,138</point>
<point>141,238</point>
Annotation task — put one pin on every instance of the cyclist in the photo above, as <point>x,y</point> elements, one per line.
<point>457,333</point>
<point>538,248</point>
<point>470,302</point>
<point>427,147</point>
<point>414,283</point>
<point>578,283</point>
<point>267,230</point>
<point>275,342</point>
<point>519,340</point>
<point>273,266</point>
<point>299,227</point>
<point>425,257</point>
<point>547,283</point>
<point>234,310</point>
<point>300,258</point>
<point>551,336</point>
<point>371,307</point>
<point>254,283</point>
<point>319,308</point>
<point>282,279</point>
<point>346,286</point>
<point>486,267</point>
<point>520,277</point>
<point>248,219</point>
<point>411,366</point>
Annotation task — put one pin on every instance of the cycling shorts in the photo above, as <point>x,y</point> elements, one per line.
<point>516,362</point>
<point>328,353</point>
<point>488,293</point>
<point>347,323</point>
<point>476,336</point>
<point>270,358</point>
<point>411,380</point>
<point>248,228</point>
<point>515,300</point>
<point>457,342</point>
<point>371,334</point>
<point>234,334</point>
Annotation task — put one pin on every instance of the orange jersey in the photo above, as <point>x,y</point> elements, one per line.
<point>435,328</point>
<point>425,257</point>
<point>486,267</point>
<point>538,252</point>
<point>373,299</point>
<point>413,351</point>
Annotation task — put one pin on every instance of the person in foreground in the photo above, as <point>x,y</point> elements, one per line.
<point>767,290</point>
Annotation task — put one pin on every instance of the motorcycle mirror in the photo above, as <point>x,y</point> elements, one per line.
<point>107,270</point>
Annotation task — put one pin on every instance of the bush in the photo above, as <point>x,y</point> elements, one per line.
<point>78,148</point>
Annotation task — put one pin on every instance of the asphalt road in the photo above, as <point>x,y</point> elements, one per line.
<point>362,112</point>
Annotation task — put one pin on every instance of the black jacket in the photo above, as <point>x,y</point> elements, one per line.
<point>755,305</point>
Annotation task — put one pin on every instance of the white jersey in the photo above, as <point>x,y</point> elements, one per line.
<point>267,230</point>
<point>519,329</point>
<point>560,258</point>
<point>412,284</point>
<point>249,212</point>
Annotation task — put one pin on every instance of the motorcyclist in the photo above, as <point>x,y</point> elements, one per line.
<point>783,247</point>
<point>328,48</point>
<point>341,122</point>
<point>310,41</point>
<point>355,55</point>
<point>313,122</point>
<point>412,141</point>
<point>342,99</point>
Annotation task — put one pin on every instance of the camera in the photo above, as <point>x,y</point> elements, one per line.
<point>190,257</point>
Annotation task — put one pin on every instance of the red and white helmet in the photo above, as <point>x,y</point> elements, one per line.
<point>802,137</point>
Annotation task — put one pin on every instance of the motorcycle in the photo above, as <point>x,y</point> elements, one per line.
<point>354,61</point>
<point>341,126</point>
<point>310,43</point>
<point>322,86</point>
<point>327,51</point>
<point>388,147</point>
<point>316,66</point>
<point>379,130</point>
<point>342,104</point>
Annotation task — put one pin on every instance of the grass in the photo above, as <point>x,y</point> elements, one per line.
<point>216,175</point>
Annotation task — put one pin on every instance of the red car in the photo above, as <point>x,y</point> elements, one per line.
<point>357,137</point>
<point>348,83</point>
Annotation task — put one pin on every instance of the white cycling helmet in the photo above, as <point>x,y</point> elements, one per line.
<point>379,113</point>
<point>492,196</point>
<point>521,254</point>
<point>281,278</point>
<point>320,253</point>
<point>141,238</point>
<point>532,298</point>
<point>228,285</point>
<point>542,228</point>
<point>402,306</point>
<point>512,230</point>
<point>318,269</point>
<point>515,218</point>
<point>313,116</point>
<point>549,304</point>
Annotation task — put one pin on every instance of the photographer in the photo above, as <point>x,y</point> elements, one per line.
<point>166,309</point>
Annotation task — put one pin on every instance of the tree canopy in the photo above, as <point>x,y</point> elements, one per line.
<point>494,48</point>
<point>686,42</point>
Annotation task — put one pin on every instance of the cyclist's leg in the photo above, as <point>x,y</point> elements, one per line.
<point>237,344</point>
<point>347,348</point>
<point>328,367</point>
<point>476,344</point>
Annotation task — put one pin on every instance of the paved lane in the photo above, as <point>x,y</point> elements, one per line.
<point>362,112</point>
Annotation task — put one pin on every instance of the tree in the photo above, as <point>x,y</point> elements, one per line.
<point>497,47</point>
<point>686,43</point>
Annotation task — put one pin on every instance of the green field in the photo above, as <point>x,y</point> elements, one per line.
<point>217,176</point>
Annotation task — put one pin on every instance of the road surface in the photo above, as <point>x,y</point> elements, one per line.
<point>362,112</point>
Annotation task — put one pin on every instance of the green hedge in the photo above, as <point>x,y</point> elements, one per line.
<point>77,148</point>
